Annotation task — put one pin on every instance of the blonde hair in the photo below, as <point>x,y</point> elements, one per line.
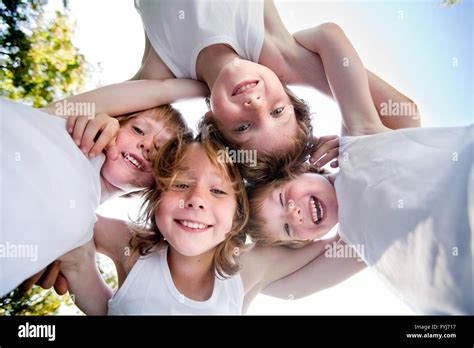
<point>256,227</point>
<point>274,165</point>
<point>167,162</point>
<point>172,118</point>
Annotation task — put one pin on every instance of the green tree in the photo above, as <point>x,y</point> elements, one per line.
<point>38,61</point>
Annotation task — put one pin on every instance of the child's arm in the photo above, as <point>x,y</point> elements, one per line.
<point>321,273</point>
<point>112,237</point>
<point>96,134</point>
<point>90,292</point>
<point>348,80</point>
<point>262,266</point>
<point>131,96</point>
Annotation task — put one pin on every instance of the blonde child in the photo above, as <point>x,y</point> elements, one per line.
<point>50,190</point>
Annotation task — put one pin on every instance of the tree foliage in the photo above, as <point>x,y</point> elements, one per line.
<point>38,61</point>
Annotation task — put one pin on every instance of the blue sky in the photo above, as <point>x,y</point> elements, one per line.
<point>411,44</point>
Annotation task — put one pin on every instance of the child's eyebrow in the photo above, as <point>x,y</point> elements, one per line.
<point>144,120</point>
<point>218,177</point>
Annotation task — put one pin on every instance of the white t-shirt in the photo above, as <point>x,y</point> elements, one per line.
<point>49,192</point>
<point>149,290</point>
<point>406,200</point>
<point>179,29</point>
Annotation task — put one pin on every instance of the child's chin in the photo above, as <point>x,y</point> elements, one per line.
<point>189,252</point>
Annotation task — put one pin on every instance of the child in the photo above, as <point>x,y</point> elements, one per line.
<point>50,190</point>
<point>398,197</point>
<point>243,52</point>
<point>184,256</point>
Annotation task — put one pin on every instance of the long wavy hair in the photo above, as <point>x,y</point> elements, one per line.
<point>167,162</point>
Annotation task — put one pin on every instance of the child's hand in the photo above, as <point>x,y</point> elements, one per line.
<point>46,278</point>
<point>94,135</point>
<point>327,146</point>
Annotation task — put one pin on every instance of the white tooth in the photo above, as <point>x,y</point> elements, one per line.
<point>132,160</point>
<point>194,225</point>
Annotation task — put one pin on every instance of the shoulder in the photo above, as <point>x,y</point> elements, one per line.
<point>255,262</point>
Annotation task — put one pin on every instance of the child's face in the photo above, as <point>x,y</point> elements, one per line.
<point>302,209</point>
<point>252,109</point>
<point>132,170</point>
<point>195,214</point>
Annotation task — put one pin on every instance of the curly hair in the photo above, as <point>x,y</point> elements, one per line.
<point>167,163</point>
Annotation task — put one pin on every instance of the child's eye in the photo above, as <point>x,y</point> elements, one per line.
<point>277,111</point>
<point>218,192</point>
<point>181,186</point>
<point>138,131</point>
<point>242,127</point>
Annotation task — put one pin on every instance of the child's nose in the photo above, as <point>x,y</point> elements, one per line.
<point>295,215</point>
<point>195,199</point>
<point>145,145</point>
<point>253,101</point>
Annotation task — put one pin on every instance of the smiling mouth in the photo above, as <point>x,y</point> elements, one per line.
<point>134,160</point>
<point>316,210</point>
<point>192,226</point>
<point>244,87</point>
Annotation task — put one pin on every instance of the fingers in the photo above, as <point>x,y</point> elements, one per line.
<point>79,128</point>
<point>28,284</point>
<point>330,155</point>
<point>92,136</point>
<point>106,139</point>
<point>70,123</point>
<point>92,128</point>
<point>324,145</point>
<point>49,277</point>
<point>61,286</point>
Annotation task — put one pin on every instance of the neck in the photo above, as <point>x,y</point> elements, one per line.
<point>211,61</point>
<point>193,276</point>
<point>107,190</point>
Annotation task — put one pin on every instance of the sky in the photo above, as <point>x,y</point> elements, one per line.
<point>421,48</point>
